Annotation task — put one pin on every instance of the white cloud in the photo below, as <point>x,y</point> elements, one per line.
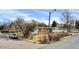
<point>36,19</point>
<point>8,14</point>
<point>57,19</point>
<point>42,12</point>
<point>11,14</point>
<point>75,13</point>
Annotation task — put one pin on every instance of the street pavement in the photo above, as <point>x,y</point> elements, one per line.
<point>68,43</point>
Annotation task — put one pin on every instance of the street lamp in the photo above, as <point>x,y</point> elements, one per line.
<point>50,12</point>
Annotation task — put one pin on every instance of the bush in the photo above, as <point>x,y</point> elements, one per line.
<point>56,38</point>
<point>61,35</point>
<point>53,37</point>
<point>44,40</point>
<point>50,37</point>
<point>4,31</point>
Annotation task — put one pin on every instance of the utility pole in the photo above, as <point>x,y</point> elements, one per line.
<point>50,12</point>
<point>49,19</point>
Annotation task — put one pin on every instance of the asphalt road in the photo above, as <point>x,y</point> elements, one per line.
<point>68,43</point>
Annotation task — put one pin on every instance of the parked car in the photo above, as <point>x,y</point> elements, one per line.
<point>13,36</point>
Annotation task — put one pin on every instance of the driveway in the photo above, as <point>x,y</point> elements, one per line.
<point>6,43</point>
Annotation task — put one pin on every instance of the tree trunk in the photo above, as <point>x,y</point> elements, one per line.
<point>26,33</point>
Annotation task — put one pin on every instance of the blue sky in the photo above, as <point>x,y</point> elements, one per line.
<point>40,15</point>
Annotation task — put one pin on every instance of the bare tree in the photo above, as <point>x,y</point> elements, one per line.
<point>25,27</point>
<point>22,26</point>
<point>68,18</point>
